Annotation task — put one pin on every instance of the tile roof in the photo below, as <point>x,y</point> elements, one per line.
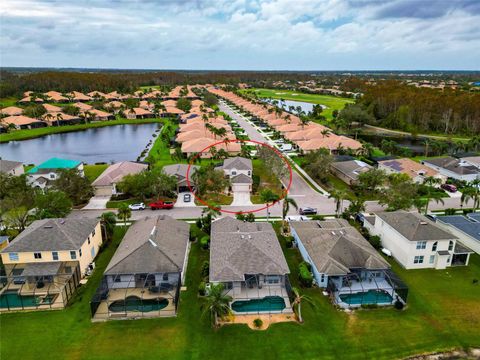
<point>409,167</point>
<point>11,111</point>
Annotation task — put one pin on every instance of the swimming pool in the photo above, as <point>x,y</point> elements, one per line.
<point>11,299</point>
<point>367,297</point>
<point>134,303</point>
<point>268,303</point>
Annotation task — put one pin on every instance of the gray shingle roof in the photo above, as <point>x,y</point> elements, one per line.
<point>453,165</point>
<point>238,248</point>
<point>53,235</point>
<point>351,168</point>
<point>238,163</point>
<point>335,247</point>
<point>414,226</point>
<point>151,245</point>
<point>7,165</point>
<point>115,173</point>
<point>467,225</point>
<point>179,170</point>
<point>241,179</point>
<point>42,269</point>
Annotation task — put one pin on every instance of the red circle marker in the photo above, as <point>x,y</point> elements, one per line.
<point>285,192</point>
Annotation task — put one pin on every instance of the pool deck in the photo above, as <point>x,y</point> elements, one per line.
<point>103,314</point>
<point>246,293</point>
<point>364,286</point>
<point>267,319</point>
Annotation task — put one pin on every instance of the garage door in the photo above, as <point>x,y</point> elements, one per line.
<point>103,191</point>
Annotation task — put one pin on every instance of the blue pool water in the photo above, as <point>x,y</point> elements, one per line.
<point>11,299</point>
<point>368,297</point>
<point>268,303</point>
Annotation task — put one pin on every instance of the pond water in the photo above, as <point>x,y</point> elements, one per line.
<point>416,145</point>
<point>306,106</point>
<point>106,144</point>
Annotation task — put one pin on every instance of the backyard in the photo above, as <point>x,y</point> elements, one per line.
<point>331,102</point>
<point>443,313</point>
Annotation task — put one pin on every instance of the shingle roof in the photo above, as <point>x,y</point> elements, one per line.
<point>351,168</point>
<point>151,245</point>
<point>241,179</point>
<point>53,235</point>
<point>414,226</point>
<point>335,247</point>
<point>453,165</point>
<point>114,173</point>
<point>238,248</point>
<point>8,165</point>
<point>469,225</point>
<point>179,170</point>
<point>42,269</point>
<point>238,163</point>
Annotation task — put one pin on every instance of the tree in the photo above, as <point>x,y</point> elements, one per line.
<point>108,219</point>
<point>297,302</point>
<point>74,185</point>
<point>371,180</point>
<point>432,194</point>
<point>17,219</point>
<point>124,213</point>
<point>217,303</point>
<point>52,204</point>
<point>352,114</point>
<point>339,196</point>
<point>400,192</point>
<point>184,104</point>
<point>318,164</point>
<point>287,202</point>
<point>268,197</point>
<point>210,100</point>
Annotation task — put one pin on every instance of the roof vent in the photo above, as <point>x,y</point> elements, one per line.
<point>242,236</point>
<point>62,221</point>
<point>333,232</point>
<point>423,223</point>
<point>152,242</point>
<point>249,236</point>
<point>48,227</point>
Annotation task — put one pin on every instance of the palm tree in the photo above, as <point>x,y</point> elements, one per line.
<point>213,152</point>
<point>217,303</point>
<point>339,196</point>
<point>268,197</point>
<point>108,223</point>
<point>325,133</point>
<point>124,213</point>
<point>59,117</point>
<point>297,303</point>
<point>287,201</point>
<point>430,181</point>
<point>48,117</point>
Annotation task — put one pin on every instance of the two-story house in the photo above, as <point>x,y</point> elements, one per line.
<point>44,264</point>
<point>14,168</point>
<point>239,170</point>
<point>43,175</point>
<point>248,260</point>
<point>415,241</point>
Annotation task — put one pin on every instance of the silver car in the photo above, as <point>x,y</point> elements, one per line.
<point>139,206</point>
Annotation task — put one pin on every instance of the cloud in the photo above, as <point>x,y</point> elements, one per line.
<point>241,34</point>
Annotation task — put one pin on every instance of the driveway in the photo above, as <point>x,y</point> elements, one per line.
<point>181,203</point>
<point>97,203</point>
<point>241,198</point>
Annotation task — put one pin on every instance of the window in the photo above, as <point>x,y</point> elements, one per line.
<point>165,277</point>
<point>418,260</point>
<point>234,173</point>
<point>54,255</point>
<point>450,245</point>
<point>13,256</point>
<point>118,279</point>
<point>80,252</point>
<point>322,278</point>
<point>93,233</point>
<point>434,246</point>
<point>432,259</point>
<point>68,269</point>
<point>37,255</point>
<point>89,240</point>
<point>421,245</point>
<point>272,279</point>
<point>73,255</point>
<point>52,176</point>
<point>92,252</point>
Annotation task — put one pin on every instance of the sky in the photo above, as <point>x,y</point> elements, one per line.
<point>242,34</point>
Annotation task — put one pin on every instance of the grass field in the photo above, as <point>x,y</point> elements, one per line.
<point>94,171</point>
<point>443,313</point>
<point>34,133</point>
<point>10,101</point>
<point>159,154</point>
<point>331,102</point>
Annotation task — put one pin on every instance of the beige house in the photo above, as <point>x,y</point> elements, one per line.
<point>11,167</point>
<point>106,183</point>
<point>416,171</point>
<point>45,263</point>
<point>11,111</point>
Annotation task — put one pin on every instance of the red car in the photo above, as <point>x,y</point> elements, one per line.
<point>161,205</point>
<point>449,187</point>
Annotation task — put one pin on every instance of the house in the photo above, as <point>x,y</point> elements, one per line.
<point>46,173</point>
<point>453,168</point>
<point>99,115</point>
<point>52,108</point>
<point>78,96</point>
<point>236,166</point>
<point>30,99</point>
<point>11,167</point>
<point>472,160</point>
<point>44,264</point>
<point>180,172</point>
<point>202,146</point>
<point>348,171</point>
<point>466,228</point>
<point>60,118</point>
<point>11,111</point>
<point>144,276</point>
<point>416,242</point>
<point>248,260</point>
<point>416,171</point>
<point>345,263</point>
<point>55,96</point>
<point>137,113</point>
<point>83,107</point>
<point>22,122</point>
<point>106,183</point>
<point>331,142</point>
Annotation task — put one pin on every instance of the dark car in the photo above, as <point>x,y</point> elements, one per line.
<point>307,211</point>
<point>449,187</point>
<point>187,198</point>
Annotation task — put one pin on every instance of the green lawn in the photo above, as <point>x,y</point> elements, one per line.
<point>159,154</point>
<point>34,133</point>
<point>443,313</point>
<point>93,171</point>
<point>268,180</point>
<point>10,101</point>
<point>331,102</point>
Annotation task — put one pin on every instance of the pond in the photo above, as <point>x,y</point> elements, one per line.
<point>416,145</point>
<point>105,144</point>
<point>306,106</point>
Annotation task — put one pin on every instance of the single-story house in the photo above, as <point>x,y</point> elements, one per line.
<point>472,160</point>
<point>202,147</point>
<point>348,171</point>
<point>106,183</point>
<point>99,115</point>
<point>30,99</point>
<point>345,263</point>
<point>180,172</point>
<point>45,263</point>
<point>55,96</point>
<point>416,171</point>
<point>78,96</point>
<point>46,173</point>
<point>60,118</point>
<point>22,122</point>
<point>144,276</point>
<point>137,113</point>
<point>417,242</point>
<point>466,228</point>
<point>11,167</point>
<point>451,167</point>
<point>52,108</point>
<point>11,111</point>
<point>248,260</point>
<point>83,107</point>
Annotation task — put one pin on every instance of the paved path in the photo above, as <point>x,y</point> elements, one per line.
<point>97,202</point>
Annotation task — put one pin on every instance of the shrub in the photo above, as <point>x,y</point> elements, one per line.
<point>255,183</point>
<point>258,323</point>
<point>204,241</point>
<point>304,274</point>
<point>369,306</point>
<point>201,288</point>
<point>205,268</point>
<point>318,217</point>
<point>375,241</point>
<point>289,241</point>
<point>398,305</point>
<point>450,211</point>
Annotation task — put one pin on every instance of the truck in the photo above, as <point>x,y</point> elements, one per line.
<point>159,204</point>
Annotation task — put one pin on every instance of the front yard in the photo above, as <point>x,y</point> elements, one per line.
<point>443,312</point>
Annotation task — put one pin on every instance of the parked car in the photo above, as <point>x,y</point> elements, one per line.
<point>449,187</point>
<point>286,147</point>
<point>161,205</point>
<point>187,198</point>
<point>307,211</point>
<point>139,206</point>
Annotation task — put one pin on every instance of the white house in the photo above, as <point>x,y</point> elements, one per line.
<point>11,167</point>
<point>454,168</point>
<point>416,242</point>
<point>236,166</point>
<point>43,175</point>
<point>466,228</point>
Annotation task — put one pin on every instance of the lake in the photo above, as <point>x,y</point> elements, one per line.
<point>105,144</point>
<point>306,106</point>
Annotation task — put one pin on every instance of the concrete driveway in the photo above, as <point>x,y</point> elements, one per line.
<point>181,203</point>
<point>241,198</point>
<point>97,203</point>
